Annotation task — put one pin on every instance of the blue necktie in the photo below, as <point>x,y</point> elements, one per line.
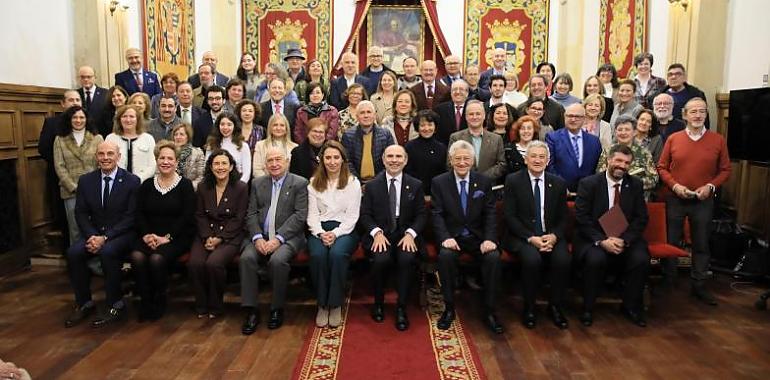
<point>464,203</point>
<point>538,215</point>
<point>576,148</point>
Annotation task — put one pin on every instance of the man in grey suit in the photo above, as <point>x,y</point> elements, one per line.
<point>276,223</point>
<point>488,146</point>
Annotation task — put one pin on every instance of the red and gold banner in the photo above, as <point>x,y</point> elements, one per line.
<point>272,27</point>
<point>518,26</point>
<point>169,36</point>
<point>622,33</point>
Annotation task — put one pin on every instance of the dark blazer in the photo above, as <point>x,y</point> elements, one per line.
<point>48,134</point>
<point>593,201</point>
<point>553,113</point>
<point>225,220</point>
<point>446,125</point>
<point>219,80</point>
<point>338,87</point>
<point>303,160</point>
<point>290,211</point>
<point>441,94</point>
<point>150,82</point>
<point>202,128</point>
<point>289,110</point>
<point>563,161</point>
<point>519,202</point>
<point>485,78</point>
<point>448,217</point>
<point>98,101</point>
<point>375,208</point>
<point>117,216</point>
<point>479,93</point>
<point>196,113</point>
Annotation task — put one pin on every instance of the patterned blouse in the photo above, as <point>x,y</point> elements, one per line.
<point>347,121</point>
<point>642,167</point>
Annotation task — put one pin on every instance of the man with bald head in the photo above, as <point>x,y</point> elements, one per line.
<point>349,76</point>
<point>498,67</point>
<point>104,210</point>
<point>93,97</point>
<point>574,153</point>
<point>136,78</point>
<point>452,66</point>
<point>366,143</point>
<point>275,223</point>
<point>430,92</point>
<point>217,79</point>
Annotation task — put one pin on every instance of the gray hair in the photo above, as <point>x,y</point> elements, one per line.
<point>366,103</point>
<point>461,82</point>
<point>623,119</point>
<point>534,144</point>
<point>461,145</point>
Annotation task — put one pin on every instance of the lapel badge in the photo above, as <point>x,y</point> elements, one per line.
<point>475,184</point>
<point>120,179</point>
<point>431,151</point>
<point>407,187</point>
<point>225,199</point>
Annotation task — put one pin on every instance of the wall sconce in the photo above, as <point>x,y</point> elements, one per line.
<point>114,6</point>
<point>683,3</point>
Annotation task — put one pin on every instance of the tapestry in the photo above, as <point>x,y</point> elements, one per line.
<point>169,36</point>
<point>272,27</point>
<point>622,33</point>
<point>518,26</point>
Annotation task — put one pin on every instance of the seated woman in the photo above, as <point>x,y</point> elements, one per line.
<point>136,146</point>
<point>165,225</point>
<point>220,213</point>
<point>523,132</point>
<point>191,160</point>
<point>400,122</point>
<point>642,165</point>
<point>277,137</point>
<point>304,158</point>
<point>334,201</point>
<point>427,155</point>
<point>227,135</point>
<point>316,106</point>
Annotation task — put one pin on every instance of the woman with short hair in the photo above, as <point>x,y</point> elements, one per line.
<point>642,165</point>
<point>168,82</point>
<point>316,107</point>
<point>136,146</point>
<point>191,160</point>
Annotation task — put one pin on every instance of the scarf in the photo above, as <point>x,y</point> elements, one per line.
<point>184,154</point>
<point>314,110</point>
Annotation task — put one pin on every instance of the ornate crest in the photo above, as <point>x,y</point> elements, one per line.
<point>287,35</point>
<point>506,35</point>
<point>620,33</point>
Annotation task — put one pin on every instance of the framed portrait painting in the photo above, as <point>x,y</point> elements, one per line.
<point>399,30</point>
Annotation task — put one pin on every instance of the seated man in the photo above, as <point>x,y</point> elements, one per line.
<point>536,216</point>
<point>276,232</point>
<point>104,210</point>
<point>392,231</point>
<point>627,251</point>
<point>464,221</point>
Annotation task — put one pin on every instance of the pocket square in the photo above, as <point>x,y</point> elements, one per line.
<point>478,194</point>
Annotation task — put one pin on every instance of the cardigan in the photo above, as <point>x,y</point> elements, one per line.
<point>143,151</point>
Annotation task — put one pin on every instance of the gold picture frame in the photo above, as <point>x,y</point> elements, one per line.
<point>399,30</point>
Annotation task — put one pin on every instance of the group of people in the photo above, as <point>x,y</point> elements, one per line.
<point>262,166</point>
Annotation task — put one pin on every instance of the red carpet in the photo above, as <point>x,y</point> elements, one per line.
<point>363,349</point>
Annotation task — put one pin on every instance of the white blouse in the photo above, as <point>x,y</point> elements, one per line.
<point>334,205</point>
<point>143,152</point>
<point>241,156</point>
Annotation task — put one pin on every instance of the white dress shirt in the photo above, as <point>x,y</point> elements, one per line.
<point>397,184</point>
<point>541,185</point>
<point>611,190</point>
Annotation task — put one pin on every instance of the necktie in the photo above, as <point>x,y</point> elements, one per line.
<point>576,149</point>
<point>538,215</point>
<point>392,202</point>
<point>464,196</point>
<point>88,99</point>
<point>616,200</point>
<point>277,108</point>
<point>186,116</point>
<point>138,78</point>
<point>430,96</point>
<point>271,210</point>
<point>458,117</point>
<point>106,192</point>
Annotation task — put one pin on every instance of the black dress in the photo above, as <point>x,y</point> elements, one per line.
<point>304,159</point>
<point>514,161</point>
<point>171,213</point>
<point>427,159</point>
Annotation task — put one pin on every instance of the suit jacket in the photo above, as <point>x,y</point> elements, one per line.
<point>219,80</point>
<point>519,203</point>
<point>485,77</point>
<point>226,219</point>
<point>479,93</point>
<point>491,160</point>
<point>289,110</point>
<point>375,208</point>
<point>593,201</point>
<point>446,124</point>
<point>117,216</point>
<point>553,113</point>
<point>441,94</point>
<point>195,111</point>
<point>353,141</point>
<point>563,160</point>
<point>448,216</point>
<point>150,82</point>
<point>98,101</point>
<point>338,87</point>
<point>202,129</point>
<point>48,134</point>
<point>290,211</point>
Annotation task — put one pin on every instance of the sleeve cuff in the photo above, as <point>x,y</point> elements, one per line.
<point>374,231</point>
<point>411,232</point>
<point>280,238</point>
<point>256,237</point>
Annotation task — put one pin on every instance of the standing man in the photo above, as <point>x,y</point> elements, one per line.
<point>276,223</point>
<point>294,60</point>
<point>393,231</point>
<point>536,217</point>
<point>160,128</point>
<point>187,112</point>
<point>498,68</point>
<point>452,113</point>
<point>694,163</point>
<point>217,78</point>
<point>201,129</point>
<point>553,112</point>
<point>206,80</point>
<point>374,71</point>
<point>348,77</point>
<point>93,97</point>
<point>136,78</point>
<point>366,143</point>
<point>465,221</point>
<point>680,90</point>
<point>575,153</point>
<point>474,91</point>
<point>430,92</point>
<point>104,209</point>
<point>663,108</point>
<point>597,250</point>
<point>410,78</point>
<point>488,150</point>
<point>452,66</point>
<point>278,104</point>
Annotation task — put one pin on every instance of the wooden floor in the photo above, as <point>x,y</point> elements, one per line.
<point>684,340</point>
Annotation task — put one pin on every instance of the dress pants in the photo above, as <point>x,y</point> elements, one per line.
<point>72,223</point>
<point>279,266</point>
<point>329,265</point>
<point>632,264</point>
<point>700,214</point>
<point>532,262</point>
<point>382,261</point>
<point>112,255</point>
<point>151,267</point>
<point>490,270</point>
<point>208,274</point>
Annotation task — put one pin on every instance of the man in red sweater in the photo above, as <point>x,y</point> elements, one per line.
<point>694,163</point>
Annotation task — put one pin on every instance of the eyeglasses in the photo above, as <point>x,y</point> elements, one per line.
<point>571,116</point>
<point>453,63</point>
<point>375,56</point>
<point>675,74</point>
<point>215,98</point>
<point>535,109</point>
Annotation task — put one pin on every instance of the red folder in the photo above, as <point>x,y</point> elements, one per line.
<point>614,222</point>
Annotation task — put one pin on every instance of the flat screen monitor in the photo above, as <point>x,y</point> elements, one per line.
<point>748,129</point>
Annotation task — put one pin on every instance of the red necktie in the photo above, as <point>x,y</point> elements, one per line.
<point>616,201</point>
<point>277,108</point>
<point>430,96</point>
<point>138,78</point>
<point>458,117</point>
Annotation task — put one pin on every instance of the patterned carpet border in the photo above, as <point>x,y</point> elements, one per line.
<point>454,354</point>
<point>322,353</point>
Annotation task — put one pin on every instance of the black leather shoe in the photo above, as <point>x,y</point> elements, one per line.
<point>378,312</point>
<point>113,315</point>
<point>587,318</point>
<point>633,316</point>
<point>250,323</point>
<point>493,324</point>
<point>79,314</point>
<point>557,316</point>
<point>703,295</point>
<point>402,321</point>
<point>447,317</point>
<point>276,319</point>
<point>529,319</point>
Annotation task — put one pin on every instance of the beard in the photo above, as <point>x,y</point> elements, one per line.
<point>662,115</point>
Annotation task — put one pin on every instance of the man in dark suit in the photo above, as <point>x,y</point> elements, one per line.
<point>136,78</point>
<point>429,92</point>
<point>374,70</point>
<point>452,66</point>
<point>104,210</point>
<point>473,78</point>
<point>596,250</point>
<point>464,221</point>
<point>275,223</point>
<point>553,112</point>
<point>536,216</point>
<point>218,79</point>
<point>93,97</point>
<point>498,68</point>
<point>392,232</point>
<point>452,113</point>
<point>364,163</point>
<point>574,153</point>
<point>215,97</point>
<point>187,112</point>
<point>279,104</point>
<point>348,77</point>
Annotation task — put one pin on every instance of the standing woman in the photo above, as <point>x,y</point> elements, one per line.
<point>74,154</point>
<point>118,97</point>
<point>248,74</point>
<point>499,120</point>
<point>626,104</point>
<point>222,201</point>
<point>524,131</point>
<point>136,145</point>
<point>594,86</point>
<point>348,117</point>
<point>277,137</point>
<point>227,135</point>
<point>428,155</point>
<point>249,112</point>
<point>548,70</point>
<point>642,166</point>
<point>168,82</point>
<point>383,98</point>
<point>512,95</point>
<point>334,201</point>
<point>535,108</point>
<point>647,136</point>
<point>235,90</point>
<point>400,124</point>
<point>315,73</point>
<point>562,91</point>
<point>304,158</point>
<point>142,102</point>
<point>593,123</point>
<point>646,83</point>
<point>316,106</point>
<point>191,160</point>
<point>165,225</point>
<point>608,76</point>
